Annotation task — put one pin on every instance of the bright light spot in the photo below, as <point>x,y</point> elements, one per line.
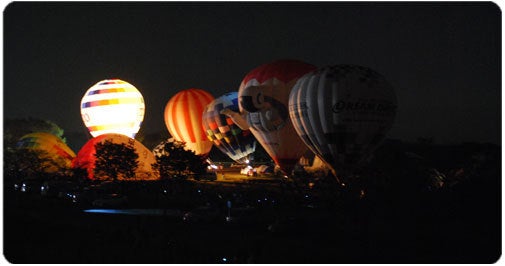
<point>249,167</point>
<point>156,212</point>
<point>213,166</point>
<point>361,194</point>
<point>259,200</point>
<point>247,161</point>
<point>224,259</point>
<point>119,112</point>
<point>110,211</point>
<point>199,191</point>
<point>42,188</point>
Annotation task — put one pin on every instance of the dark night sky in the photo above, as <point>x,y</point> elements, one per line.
<point>444,60</point>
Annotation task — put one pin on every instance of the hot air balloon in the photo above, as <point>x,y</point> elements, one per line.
<point>86,156</point>
<point>263,98</point>
<point>183,118</point>
<point>52,148</point>
<point>238,144</point>
<point>112,106</point>
<point>342,113</point>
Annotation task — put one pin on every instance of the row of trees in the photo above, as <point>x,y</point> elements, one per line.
<point>114,160</point>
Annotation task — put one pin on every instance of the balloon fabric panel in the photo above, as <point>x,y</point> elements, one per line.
<point>284,70</point>
<point>263,97</point>
<point>173,112</point>
<point>342,113</point>
<point>227,136</point>
<point>53,147</point>
<point>183,118</point>
<point>113,106</point>
<point>86,156</point>
<point>188,121</point>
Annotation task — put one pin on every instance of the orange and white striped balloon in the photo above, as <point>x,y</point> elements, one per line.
<point>183,118</point>
<point>113,106</point>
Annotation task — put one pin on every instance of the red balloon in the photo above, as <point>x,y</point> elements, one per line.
<point>263,98</point>
<point>86,156</point>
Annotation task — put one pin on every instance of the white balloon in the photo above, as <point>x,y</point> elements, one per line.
<point>342,113</point>
<point>113,106</point>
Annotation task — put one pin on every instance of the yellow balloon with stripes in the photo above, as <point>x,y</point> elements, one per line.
<point>59,156</point>
<point>113,106</point>
<point>183,118</point>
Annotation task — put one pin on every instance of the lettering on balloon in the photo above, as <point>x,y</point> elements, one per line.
<point>85,117</point>
<point>379,108</point>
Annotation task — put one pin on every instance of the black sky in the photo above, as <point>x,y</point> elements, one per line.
<point>444,59</point>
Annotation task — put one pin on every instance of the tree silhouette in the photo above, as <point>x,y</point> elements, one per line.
<point>27,163</point>
<point>173,158</point>
<point>115,161</point>
<point>14,129</point>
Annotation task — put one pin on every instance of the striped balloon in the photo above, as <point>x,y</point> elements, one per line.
<point>342,113</point>
<point>86,158</point>
<point>113,106</point>
<point>238,144</point>
<point>263,97</point>
<point>183,118</point>
<point>52,146</point>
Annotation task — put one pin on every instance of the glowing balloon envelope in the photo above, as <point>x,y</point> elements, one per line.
<point>238,144</point>
<point>86,156</point>
<point>183,118</point>
<point>53,148</point>
<point>263,98</point>
<point>342,113</point>
<point>113,106</point>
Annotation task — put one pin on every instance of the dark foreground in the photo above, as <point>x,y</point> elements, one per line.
<point>460,226</point>
<point>400,211</point>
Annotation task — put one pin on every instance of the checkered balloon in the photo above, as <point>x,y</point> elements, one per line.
<point>238,144</point>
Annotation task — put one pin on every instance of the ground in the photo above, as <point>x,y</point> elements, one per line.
<point>441,227</point>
